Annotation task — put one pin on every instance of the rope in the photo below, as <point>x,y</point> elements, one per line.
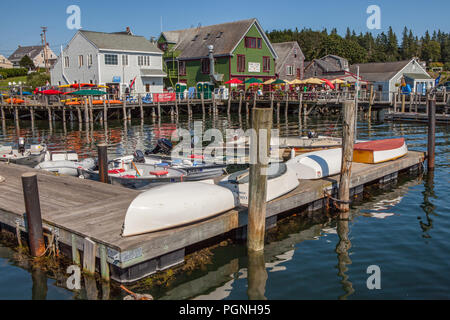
<point>334,200</point>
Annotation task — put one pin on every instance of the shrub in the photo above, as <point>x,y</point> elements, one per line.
<point>37,79</point>
<point>15,72</point>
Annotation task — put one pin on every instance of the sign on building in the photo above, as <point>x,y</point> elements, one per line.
<point>254,67</point>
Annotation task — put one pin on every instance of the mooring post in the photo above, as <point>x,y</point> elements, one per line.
<point>229,102</point>
<point>203,102</point>
<point>300,98</point>
<point>403,102</point>
<point>371,102</point>
<point>103,162</point>
<point>431,132</point>
<point>91,110</point>
<point>105,112</point>
<point>287,105</point>
<point>33,214</point>
<point>89,250</point>
<point>240,102</point>
<point>159,110</point>
<point>259,158</point>
<point>348,135</point>
<point>104,267</point>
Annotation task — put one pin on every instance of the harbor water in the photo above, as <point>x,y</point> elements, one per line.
<point>402,231</point>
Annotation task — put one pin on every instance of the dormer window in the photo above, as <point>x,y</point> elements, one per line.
<point>195,37</point>
<point>219,35</point>
<point>207,36</point>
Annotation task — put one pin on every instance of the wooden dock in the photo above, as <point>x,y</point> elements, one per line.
<point>80,213</point>
<point>416,117</point>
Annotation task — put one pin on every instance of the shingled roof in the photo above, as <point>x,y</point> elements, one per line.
<point>194,42</point>
<point>379,71</point>
<point>284,48</point>
<point>120,41</point>
<point>31,51</point>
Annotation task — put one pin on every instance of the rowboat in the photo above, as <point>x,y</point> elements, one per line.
<point>317,164</point>
<point>195,168</point>
<point>65,163</point>
<point>379,150</point>
<point>156,210</point>
<point>15,100</point>
<point>27,157</point>
<point>135,175</point>
<point>280,180</point>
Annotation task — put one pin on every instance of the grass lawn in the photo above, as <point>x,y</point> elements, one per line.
<point>4,82</point>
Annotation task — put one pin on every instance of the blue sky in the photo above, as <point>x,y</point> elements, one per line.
<point>22,24</point>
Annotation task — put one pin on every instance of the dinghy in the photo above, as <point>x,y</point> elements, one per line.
<point>27,157</point>
<point>156,210</point>
<point>196,169</point>
<point>379,150</point>
<point>136,175</point>
<point>280,180</point>
<point>65,163</point>
<point>317,164</point>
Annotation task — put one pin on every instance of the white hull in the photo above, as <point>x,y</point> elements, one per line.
<point>276,186</point>
<point>66,167</point>
<point>385,155</point>
<point>157,209</point>
<point>318,164</point>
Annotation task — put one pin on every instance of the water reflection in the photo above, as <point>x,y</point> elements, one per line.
<point>257,276</point>
<point>39,288</point>
<point>427,206</point>
<point>342,250</point>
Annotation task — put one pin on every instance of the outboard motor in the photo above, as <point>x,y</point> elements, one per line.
<point>312,134</point>
<point>21,146</point>
<point>138,156</point>
<point>163,146</point>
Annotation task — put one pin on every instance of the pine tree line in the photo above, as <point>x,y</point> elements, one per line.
<point>362,48</point>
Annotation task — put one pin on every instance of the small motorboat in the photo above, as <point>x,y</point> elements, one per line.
<point>135,175</point>
<point>280,180</point>
<point>65,163</point>
<point>317,164</point>
<point>27,157</point>
<point>156,210</point>
<point>378,151</point>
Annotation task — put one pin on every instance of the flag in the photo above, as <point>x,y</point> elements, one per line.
<point>132,83</point>
<point>437,80</point>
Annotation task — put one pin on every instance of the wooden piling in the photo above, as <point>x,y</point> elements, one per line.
<point>91,111</point>
<point>203,102</point>
<point>348,136</point>
<point>89,250</point>
<point>286,106</point>
<point>431,132</point>
<point>104,267</point>
<point>124,108</point>
<point>33,214</point>
<point>103,162</point>
<point>229,102</point>
<point>240,102</point>
<point>259,152</point>
<point>159,110</point>
<point>50,120</point>
<point>105,112</point>
<point>403,102</point>
<point>75,252</point>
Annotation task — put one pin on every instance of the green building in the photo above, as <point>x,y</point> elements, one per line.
<point>240,49</point>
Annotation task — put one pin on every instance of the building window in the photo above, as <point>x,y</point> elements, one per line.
<point>111,59</point>
<point>380,87</point>
<point>205,66</point>
<point>147,87</point>
<point>182,68</point>
<point>144,61</point>
<point>252,42</point>
<point>240,63</point>
<point>90,60</point>
<point>266,64</point>
<point>80,60</point>
<point>289,70</point>
<point>124,59</point>
<point>66,62</point>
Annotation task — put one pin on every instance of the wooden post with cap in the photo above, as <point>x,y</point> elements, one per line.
<point>259,153</point>
<point>103,162</point>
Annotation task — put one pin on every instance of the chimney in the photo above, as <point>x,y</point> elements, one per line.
<point>128,30</point>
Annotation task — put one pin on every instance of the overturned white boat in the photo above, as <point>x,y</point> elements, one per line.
<point>317,164</point>
<point>27,157</point>
<point>156,210</point>
<point>280,180</point>
<point>65,163</point>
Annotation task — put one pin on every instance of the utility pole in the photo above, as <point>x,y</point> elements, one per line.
<point>44,45</point>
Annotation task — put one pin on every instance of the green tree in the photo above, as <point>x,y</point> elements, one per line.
<point>26,62</point>
<point>37,79</point>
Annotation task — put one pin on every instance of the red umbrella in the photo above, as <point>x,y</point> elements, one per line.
<point>51,92</point>
<point>328,82</point>
<point>234,81</point>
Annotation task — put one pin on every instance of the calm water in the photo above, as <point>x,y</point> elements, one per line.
<point>405,230</point>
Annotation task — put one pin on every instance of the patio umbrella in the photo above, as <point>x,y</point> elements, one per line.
<point>234,81</point>
<point>279,81</point>
<point>296,81</point>
<point>270,81</point>
<point>313,81</point>
<point>253,80</point>
<point>337,81</point>
<point>329,83</point>
<point>88,93</point>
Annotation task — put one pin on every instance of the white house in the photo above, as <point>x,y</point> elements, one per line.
<point>386,75</point>
<point>111,59</point>
<point>36,53</point>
